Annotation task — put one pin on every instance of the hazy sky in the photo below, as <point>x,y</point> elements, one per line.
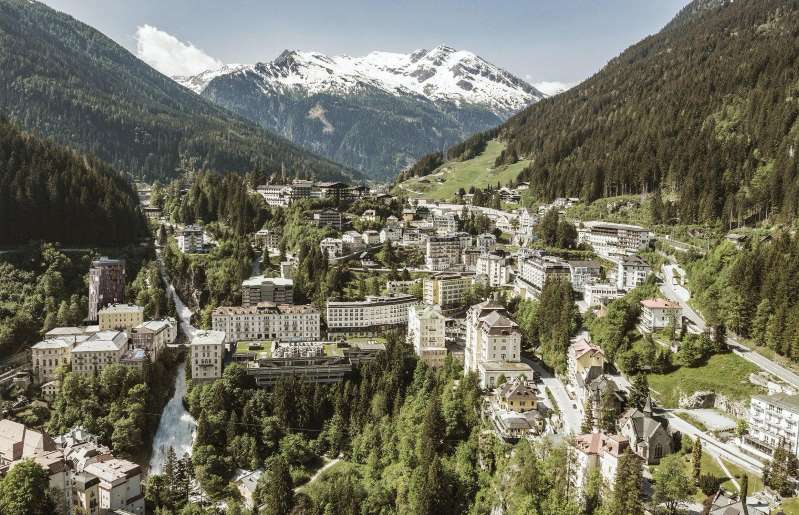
<point>555,40</point>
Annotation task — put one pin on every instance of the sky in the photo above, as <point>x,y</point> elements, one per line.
<point>550,44</point>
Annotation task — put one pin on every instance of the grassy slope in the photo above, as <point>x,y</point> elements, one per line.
<point>726,374</point>
<point>478,172</point>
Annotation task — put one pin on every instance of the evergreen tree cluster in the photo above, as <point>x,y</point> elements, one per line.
<point>704,111</point>
<point>67,81</point>
<point>751,292</point>
<point>50,193</point>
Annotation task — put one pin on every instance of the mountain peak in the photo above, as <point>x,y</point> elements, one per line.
<point>442,74</point>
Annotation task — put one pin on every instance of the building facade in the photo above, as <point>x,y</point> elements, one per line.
<point>120,317</point>
<point>446,290</point>
<point>106,284</point>
<point>494,266</point>
<point>609,239</point>
<point>426,332</point>
<point>773,419</point>
<point>535,270</point>
<point>191,239</point>
<point>259,289</point>
<point>207,355</point>
<point>369,317</point>
<point>268,321</point>
<point>102,349</point>
<point>659,314</point>
<point>631,271</point>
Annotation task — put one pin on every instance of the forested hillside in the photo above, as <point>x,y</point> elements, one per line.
<point>705,110</point>
<point>50,193</point>
<point>69,82</point>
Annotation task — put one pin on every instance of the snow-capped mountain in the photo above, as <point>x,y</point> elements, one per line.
<point>377,113</point>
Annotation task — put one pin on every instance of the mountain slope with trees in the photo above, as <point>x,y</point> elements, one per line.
<point>705,111</point>
<point>67,81</point>
<point>50,193</point>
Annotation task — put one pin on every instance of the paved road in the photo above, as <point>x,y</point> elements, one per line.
<point>569,414</point>
<point>715,447</point>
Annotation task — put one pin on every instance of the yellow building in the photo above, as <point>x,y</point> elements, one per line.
<point>120,317</point>
<point>517,395</point>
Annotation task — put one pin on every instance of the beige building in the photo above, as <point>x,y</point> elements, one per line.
<point>207,353</point>
<point>493,345</point>
<point>535,270</point>
<point>517,395</point>
<point>268,321</point>
<point>585,362</point>
<point>446,290</point>
<point>100,350</point>
<point>120,317</point>
<point>47,356</point>
<point>154,335</point>
<point>426,332</point>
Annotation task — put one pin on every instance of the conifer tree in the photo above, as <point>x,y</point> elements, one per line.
<point>588,418</point>
<point>696,459</point>
<point>626,497</point>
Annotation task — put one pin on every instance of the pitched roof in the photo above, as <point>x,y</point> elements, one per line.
<point>659,304</point>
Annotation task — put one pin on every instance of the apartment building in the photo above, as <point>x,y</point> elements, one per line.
<point>106,284</point>
<point>47,356</point>
<point>371,237</point>
<point>659,314</point>
<point>268,321</point>
<point>585,362</point>
<point>191,239</point>
<point>207,354</point>
<point>494,266</point>
<point>446,290</point>
<point>772,419</point>
<point>609,239</point>
<point>102,349</point>
<point>274,194</point>
<point>328,218</point>
<point>390,233</point>
<point>535,270</point>
<point>445,223</point>
<point>120,317</point>
<point>426,332</point>
<point>153,336</point>
<point>259,289</point>
<point>486,242</point>
<point>631,271</point>
<point>583,273</point>
<point>493,345</point>
<point>369,317</point>
<point>444,252</point>
<point>269,238</point>
<point>600,294</point>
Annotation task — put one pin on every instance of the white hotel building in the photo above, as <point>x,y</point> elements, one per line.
<point>608,239</point>
<point>773,418</point>
<point>368,317</point>
<point>427,333</point>
<point>207,354</point>
<point>268,321</point>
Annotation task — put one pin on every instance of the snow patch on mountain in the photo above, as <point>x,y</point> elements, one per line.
<point>442,74</point>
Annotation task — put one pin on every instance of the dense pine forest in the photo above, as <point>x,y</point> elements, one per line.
<point>53,194</point>
<point>705,111</point>
<point>69,82</point>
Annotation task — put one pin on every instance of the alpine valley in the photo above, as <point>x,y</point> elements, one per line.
<point>377,113</point>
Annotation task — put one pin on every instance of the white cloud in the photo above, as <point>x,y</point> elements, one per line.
<point>553,87</point>
<point>169,55</point>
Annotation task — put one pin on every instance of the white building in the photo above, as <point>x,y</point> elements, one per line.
<point>583,273</point>
<point>274,194</point>
<point>445,223</point>
<point>352,240</point>
<point>369,216</point>
<point>631,271</point>
<point>600,294</point>
<point>370,317</point>
<point>268,321</point>
<point>773,418</point>
<point>269,238</point>
<point>191,239</point>
<point>609,239</point>
<point>659,314</point>
<point>99,351</point>
<point>391,233</point>
<point>154,335</point>
<point>493,345</point>
<point>333,247</point>
<point>207,353</point>
<point>371,237</point>
<point>534,271</point>
<point>486,242</point>
<point>495,267</point>
<point>426,333</point>
<point>446,290</point>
